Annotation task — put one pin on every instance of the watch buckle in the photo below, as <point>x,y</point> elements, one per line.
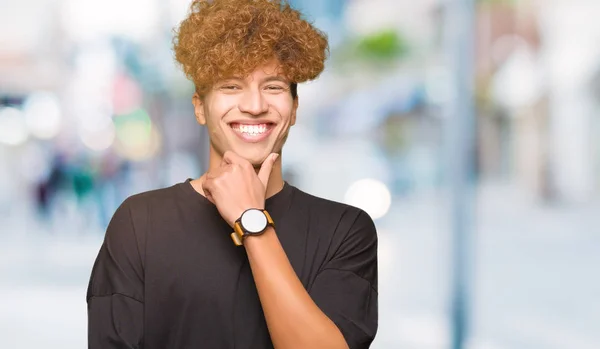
<point>236,239</point>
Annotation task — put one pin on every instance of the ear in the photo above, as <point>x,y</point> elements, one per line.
<point>294,109</point>
<point>199,108</point>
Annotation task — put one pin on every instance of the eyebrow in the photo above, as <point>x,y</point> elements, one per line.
<point>276,78</point>
<point>267,79</point>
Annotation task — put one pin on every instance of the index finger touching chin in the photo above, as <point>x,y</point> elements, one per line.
<point>231,157</point>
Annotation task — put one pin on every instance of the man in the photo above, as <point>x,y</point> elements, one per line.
<point>238,258</point>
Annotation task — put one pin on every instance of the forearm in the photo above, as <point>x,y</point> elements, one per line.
<point>294,320</point>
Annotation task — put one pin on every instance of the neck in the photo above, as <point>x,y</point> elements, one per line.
<point>214,161</point>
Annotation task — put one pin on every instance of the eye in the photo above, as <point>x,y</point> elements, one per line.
<point>274,88</point>
<point>230,87</point>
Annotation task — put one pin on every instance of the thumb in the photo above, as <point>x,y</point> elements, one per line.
<point>265,169</point>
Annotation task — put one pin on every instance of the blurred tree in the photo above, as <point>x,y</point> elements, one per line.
<point>387,44</point>
<point>374,55</point>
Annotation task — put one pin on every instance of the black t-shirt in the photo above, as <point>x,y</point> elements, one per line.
<point>168,275</point>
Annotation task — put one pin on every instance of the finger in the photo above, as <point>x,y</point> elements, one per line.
<point>226,160</point>
<point>231,157</point>
<point>218,172</point>
<point>265,169</point>
<point>236,160</point>
<point>210,197</point>
<point>207,185</point>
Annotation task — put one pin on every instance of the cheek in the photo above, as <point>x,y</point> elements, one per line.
<point>219,107</point>
<point>284,108</point>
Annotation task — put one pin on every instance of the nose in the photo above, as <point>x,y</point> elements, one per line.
<point>253,102</point>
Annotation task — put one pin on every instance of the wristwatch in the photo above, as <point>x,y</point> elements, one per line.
<point>253,221</point>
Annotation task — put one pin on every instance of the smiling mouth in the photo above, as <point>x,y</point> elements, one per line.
<point>252,132</point>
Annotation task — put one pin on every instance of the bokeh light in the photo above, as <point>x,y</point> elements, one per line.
<point>137,139</point>
<point>13,130</point>
<point>43,115</point>
<point>98,139</point>
<point>371,195</point>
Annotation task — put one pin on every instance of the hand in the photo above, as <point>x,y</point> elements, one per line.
<point>235,187</point>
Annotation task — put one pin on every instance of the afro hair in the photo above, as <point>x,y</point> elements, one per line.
<point>225,38</point>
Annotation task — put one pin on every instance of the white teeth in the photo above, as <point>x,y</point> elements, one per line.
<point>251,129</point>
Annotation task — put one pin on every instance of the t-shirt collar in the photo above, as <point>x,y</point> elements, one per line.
<point>277,204</point>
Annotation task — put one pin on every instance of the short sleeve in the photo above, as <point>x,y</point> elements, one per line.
<point>345,289</point>
<point>115,294</point>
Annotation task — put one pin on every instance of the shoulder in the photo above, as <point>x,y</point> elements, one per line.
<point>345,217</point>
<point>151,202</point>
<point>152,197</point>
<point>320,204</point>
<point>137,208</point>
<point>349,233</point>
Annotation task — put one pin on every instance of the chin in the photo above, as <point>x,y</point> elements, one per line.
<point>255,158</point>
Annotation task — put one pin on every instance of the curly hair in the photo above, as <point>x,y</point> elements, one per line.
<point>224,38</point>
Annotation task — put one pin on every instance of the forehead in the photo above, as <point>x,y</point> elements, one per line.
<point>270,69</point>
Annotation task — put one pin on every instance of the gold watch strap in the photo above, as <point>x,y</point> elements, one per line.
<point>238,233</point>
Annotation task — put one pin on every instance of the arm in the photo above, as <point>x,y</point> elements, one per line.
<point>293,318</point>
<point>115,291</point>
<point>340,310</point>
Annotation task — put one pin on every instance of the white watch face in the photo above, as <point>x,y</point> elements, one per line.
<point>254,221</point>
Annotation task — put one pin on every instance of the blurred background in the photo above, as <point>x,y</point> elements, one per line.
<point>93,109</point>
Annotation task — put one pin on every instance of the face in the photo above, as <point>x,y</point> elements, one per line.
<point>248,115</point>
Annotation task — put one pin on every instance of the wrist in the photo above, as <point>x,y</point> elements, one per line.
<point>252,222</point>
<point>252,242</point>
